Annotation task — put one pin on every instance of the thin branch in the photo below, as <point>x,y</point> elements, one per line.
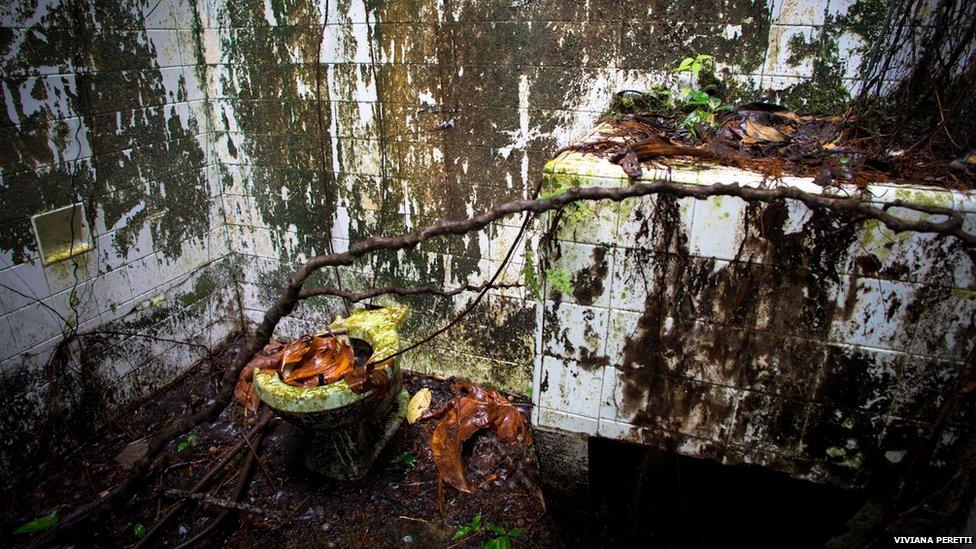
<point>395,290</point>
<point>220,502</point>
<point>214,471</point>
<point>240,487</point>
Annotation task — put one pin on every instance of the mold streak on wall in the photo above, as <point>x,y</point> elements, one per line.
<point>425,109</point>
<point>104,104</point>
<point>762,333</point>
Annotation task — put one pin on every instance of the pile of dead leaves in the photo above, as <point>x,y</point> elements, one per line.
<point>776,141</point>
<point>758,131</point>
<point>310,361</point>
<point>759,124</point>
<point>474,409</point>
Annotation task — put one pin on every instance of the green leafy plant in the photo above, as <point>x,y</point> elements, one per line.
<point>465,530</point>
<point>695,64</point>
<point>40,524</point>
<point>407,458</point>
<point>503,538</point>
<point>139,529</point>
<point>691,104</point>
<point>559,280</point>
<point>703,109</point>
<point>190,440</point>
<point>700,108</point>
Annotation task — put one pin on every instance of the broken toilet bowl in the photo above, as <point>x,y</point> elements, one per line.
<point>345,431</point>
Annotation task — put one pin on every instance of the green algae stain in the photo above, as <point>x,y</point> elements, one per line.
<point>205,285</point>
<point>281,139</point>
<point>111,101</point>
<point>930,198</point>
<point>826,93</point>
<point>960,293</point>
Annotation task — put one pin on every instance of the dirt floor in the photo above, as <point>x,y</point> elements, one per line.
<point>639,497</point>
<point>395,505</point>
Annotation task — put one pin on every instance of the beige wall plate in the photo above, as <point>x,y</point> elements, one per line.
<point>62,233</point>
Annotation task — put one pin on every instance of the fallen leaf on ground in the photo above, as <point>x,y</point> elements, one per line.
<point>40,524</point>
<point>474,409</point>
<point>133,452</point>
<point>418,405</point>
<point>630,163</point>
<point>757,133</point>
<point>767,112</point>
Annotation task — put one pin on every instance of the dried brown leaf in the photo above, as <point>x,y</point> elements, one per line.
<point>761,133</point>
<point>132,453</point>
<point>363,379</point>
<point>330,359</point>
<point>295,352</point>
<point>266,359</point>
<point>464,415</point>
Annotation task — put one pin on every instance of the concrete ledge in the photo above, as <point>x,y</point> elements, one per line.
<point>564,465</point>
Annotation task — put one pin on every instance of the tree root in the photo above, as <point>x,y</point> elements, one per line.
<point>224,503</point>
<point>239,488</point>
<point>214,471</point>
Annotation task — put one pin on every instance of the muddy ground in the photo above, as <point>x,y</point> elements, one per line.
<point>639,497</point>
<point>395,505</point>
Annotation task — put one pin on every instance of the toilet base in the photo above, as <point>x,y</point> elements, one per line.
<point>347,452</point>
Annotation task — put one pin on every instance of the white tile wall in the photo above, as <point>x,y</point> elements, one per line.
<point>127,274</point>
<point>711,394</point>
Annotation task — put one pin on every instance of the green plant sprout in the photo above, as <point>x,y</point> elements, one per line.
<point>694,106</point>
<point>502,538</point>
<point>407,458</point>
<point>700,107</point>
<point>695,64</point>
<point>560,281</point>
<point>190,440</point>
<point>465,530</point>
<point>40,524</point>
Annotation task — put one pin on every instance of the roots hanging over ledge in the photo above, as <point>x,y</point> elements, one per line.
<point>917,77</point>
<point>294,292</point>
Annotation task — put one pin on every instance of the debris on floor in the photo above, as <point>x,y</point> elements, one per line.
<point>775,141</point>
<point>397,503</point>
<point>475,408</point>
